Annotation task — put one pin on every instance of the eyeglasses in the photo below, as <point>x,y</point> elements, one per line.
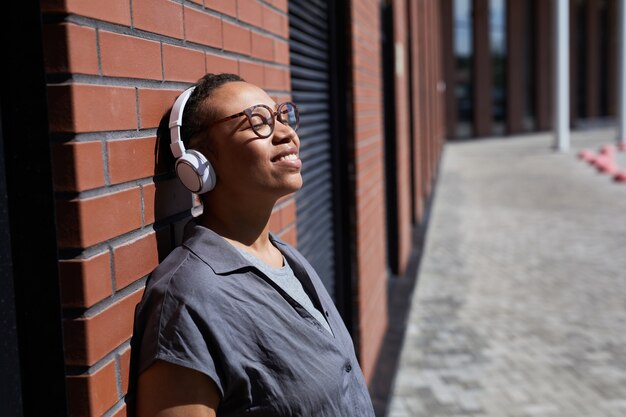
<point>262,118</point>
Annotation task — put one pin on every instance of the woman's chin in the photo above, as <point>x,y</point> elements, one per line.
<point>291,186</point>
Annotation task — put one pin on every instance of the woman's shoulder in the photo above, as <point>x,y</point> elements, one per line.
<point>192,266</point>
<point>179,263</point>
<point>176,275</point>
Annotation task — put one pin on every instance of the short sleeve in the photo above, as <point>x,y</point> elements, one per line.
<point>174,328</point>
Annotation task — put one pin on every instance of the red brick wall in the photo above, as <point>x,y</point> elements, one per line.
<point>370,234</point>
<point>422,28</point>
<point>418,105</point>
<point>428,96</point>
<point>114,68</point>
<point>449,62</point>
<point>439,88</point>
<point>436,83</point>
<point>403,157</point>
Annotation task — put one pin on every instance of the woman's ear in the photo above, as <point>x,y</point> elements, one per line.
<point>205,145</point>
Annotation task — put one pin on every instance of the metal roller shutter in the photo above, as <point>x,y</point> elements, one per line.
<point>310,83</point>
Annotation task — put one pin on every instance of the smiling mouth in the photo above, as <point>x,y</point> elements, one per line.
<point>290,157</point>
<point>287,155</point>
<point>288,160</point>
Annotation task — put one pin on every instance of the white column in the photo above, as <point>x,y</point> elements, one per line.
<point>621,72</point>
<point>561,74</point>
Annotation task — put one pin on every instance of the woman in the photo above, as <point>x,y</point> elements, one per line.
<point>235,321</point>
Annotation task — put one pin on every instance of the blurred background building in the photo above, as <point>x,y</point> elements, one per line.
<point>498,60</point>
<point>89,205</point>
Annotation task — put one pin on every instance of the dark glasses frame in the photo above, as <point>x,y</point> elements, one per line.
<point>272,120</point>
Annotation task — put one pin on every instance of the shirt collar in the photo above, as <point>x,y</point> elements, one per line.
<point>217,252</point>
<point>223,258</point>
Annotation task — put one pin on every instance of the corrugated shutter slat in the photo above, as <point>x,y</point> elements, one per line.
<point>309,57</point>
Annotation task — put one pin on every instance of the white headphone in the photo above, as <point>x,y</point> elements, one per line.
<point>192,168</point>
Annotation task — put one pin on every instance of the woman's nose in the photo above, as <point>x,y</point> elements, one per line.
<point>283,132</point>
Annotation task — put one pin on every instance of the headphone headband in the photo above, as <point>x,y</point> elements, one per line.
<point>176,121</point>
<point>192,168</point>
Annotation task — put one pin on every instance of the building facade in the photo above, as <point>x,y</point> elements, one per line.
<point>90,202</point>
<point>498,58</point>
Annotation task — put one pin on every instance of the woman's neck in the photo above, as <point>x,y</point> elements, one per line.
<point>245,223</point>
<point>245,226</point>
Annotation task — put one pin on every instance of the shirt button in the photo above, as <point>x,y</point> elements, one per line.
<point>327,313</point>
<point>348,368</point>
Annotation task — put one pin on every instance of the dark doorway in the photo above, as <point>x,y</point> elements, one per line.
<point>30,310</point>
<point>317,45</point>
<point>391,182</point>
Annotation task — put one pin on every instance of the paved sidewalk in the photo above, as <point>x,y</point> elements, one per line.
<point>520,303</point>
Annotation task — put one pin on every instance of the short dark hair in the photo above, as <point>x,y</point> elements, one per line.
<point>198,114</point>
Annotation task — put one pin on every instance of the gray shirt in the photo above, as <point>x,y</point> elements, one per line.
<point>286,279</point>
<point>206,307</point>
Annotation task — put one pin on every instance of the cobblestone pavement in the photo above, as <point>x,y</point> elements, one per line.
<point>520,303</point>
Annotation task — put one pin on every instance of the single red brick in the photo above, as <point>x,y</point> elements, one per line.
<point>91,108</point>
<point>216,64</point>
<point>236,38</point>
<point>262,47</point>
<point>116,11</point>
<point>182,64</point>
<point>70,48</point>
<point>135,259</point>
<point>275,22</point>
<point>92,394</point>
<point>77,166</point>
<point>153,104</point>
<point>164,199</point>
<point>276,78</point>
<point>87,340</point>
<point>228,7</point>
<point>84,282</point>
<point>252,72</point>
<point>281,52</point>
<point>164,17</point>
<point>124,360</point>
<point>250,11</point>
<point>203,28</point>
<point>131,159</point>
<point>83,223</point>
<point>128,56</point>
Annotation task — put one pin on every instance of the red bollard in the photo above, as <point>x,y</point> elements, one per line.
<point>598,160</point>
<point>607,149</point>
<point>606,164</point>
<point>586,155</point>
<point>620,177</point>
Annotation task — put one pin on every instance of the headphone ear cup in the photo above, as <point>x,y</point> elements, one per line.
<point>195,172</point>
